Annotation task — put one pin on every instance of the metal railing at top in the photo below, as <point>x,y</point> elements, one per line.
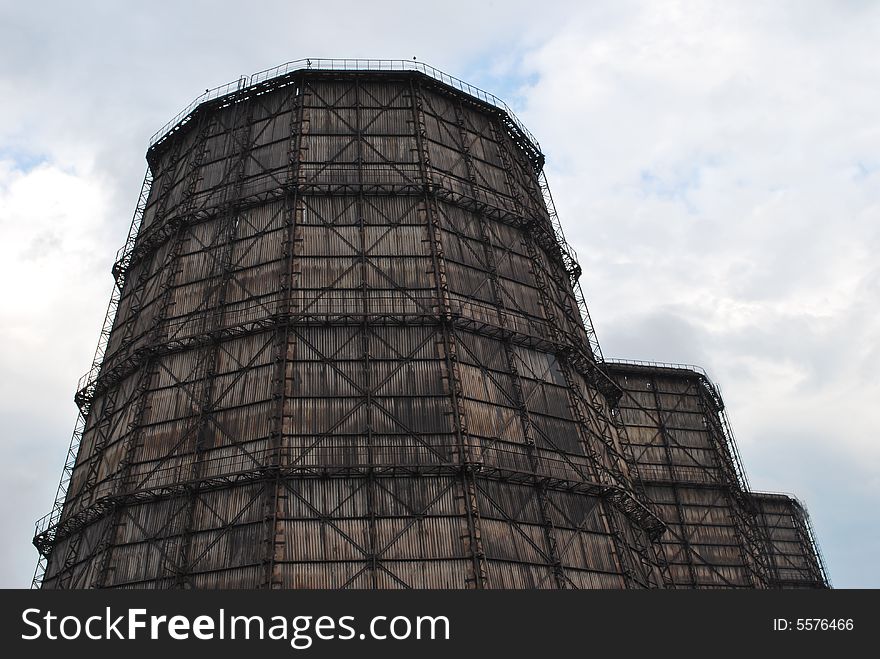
<point>342,65</point>
<point>639,362</point>
<point>811,533</point>
<point>715,392</point>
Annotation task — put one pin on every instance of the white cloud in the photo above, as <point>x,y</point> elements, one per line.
<point>715,166</point>
<point>54,262</point>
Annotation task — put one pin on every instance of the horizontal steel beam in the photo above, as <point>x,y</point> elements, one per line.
<point>621,498</point>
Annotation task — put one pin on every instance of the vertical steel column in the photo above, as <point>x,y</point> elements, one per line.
<point>519,400</point>
<point>229,220</point>
<point>276,491</point>
<point>172,267</point>
<point>691,555</point>
<point>105,426</point>
<point>561,336</point>
<point>467,456</point>
<point>370,485</point>
<point>651,548</point>
<point>743,529</point>
<point>746,528</point>
<point>811,547</point>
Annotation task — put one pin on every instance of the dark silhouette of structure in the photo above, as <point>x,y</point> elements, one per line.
<point>347,348</point>
<point>719,533</point>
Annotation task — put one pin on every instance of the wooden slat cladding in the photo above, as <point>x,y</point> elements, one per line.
<point>794,558</point>
<point>679,450</point>
<point>342,359</point>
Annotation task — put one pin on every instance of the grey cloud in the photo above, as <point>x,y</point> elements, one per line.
<point>704,160</point>
<point>714,164</point>
<point>659,335</point>
<point>84,87</point>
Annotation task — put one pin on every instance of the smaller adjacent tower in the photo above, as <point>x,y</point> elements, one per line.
<point>793,553</point>
<point>719,534</point>
<point>347,348</point>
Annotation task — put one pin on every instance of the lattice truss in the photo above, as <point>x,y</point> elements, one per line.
<point>791,547</point>
<point>682,454</point>
<point>347,353</point>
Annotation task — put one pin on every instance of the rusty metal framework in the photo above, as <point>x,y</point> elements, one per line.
<point>683,455</point>
<point>720,535</point>
<point>794,555</point>
<point>346,348</point>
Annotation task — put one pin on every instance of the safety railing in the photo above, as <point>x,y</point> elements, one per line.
<point>714,392</point>
<point>342,65</point>
<point>639,362</point>
<point>572,267</point>
<point>808,523</point>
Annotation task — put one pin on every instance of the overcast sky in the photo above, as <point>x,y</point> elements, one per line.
<point>716,165</point>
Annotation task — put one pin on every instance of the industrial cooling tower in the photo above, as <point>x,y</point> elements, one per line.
<point>719,534</point>
<point>791,546</point>
<point>347,349</point>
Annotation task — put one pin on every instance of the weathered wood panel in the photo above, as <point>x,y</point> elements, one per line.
<point>676,438</point>
<point>342,359</point>
<point>794,557</point>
